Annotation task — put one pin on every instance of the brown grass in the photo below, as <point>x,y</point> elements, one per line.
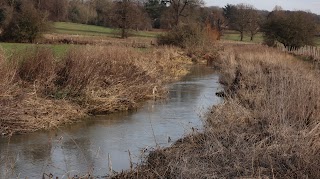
<point>267,127</point>
<point>97,40</point>
<point>40,92</point>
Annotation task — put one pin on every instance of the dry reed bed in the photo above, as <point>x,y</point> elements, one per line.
<point>38,91</point>
<point>268,126</point>
<point>136,42</point>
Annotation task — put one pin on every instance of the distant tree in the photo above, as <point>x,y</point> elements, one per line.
<point>155,8</point>
<point>27,23</point>
<point>166,20</point>
<point>81,12</point>
<point>179,8</point>
<point>128,15</point>
<point>5,16</point>
<point>293,29</point>
<point>142,21</point>
<point>213,20</point>
<point>123,16</point>
<point>242,18</point>
<point>229,13</point>
<point>59,10</point>
<point>217,21</point>
<point>277,8</point>
<point>254,22</point>
<point>103,9</point>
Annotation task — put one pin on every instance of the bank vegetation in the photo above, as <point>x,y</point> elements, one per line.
<point>267,127</point>
<point>39,90</point>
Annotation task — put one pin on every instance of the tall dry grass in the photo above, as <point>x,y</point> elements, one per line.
<point>136,42</point>
<point>39,91</point>
<point>270,126</point>
<point>267,127</point>
<point>116,78</point>
<point>26,78</point>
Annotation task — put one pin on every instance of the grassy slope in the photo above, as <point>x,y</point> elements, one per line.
<point>75,29</point>
<point>82,29</point>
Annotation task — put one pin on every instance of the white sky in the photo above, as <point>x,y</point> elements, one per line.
<point>310,5</point>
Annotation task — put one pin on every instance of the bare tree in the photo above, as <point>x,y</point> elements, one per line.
<point>103,9</point>
<point>217,21</point>
<point>127,15</point>
<point>122,16</point>
<point>81,12</point>
<point>240,19</point>
<point>59,10</point>
<point>179,8</point>
<point>27,23</point>
<point>254,21</point>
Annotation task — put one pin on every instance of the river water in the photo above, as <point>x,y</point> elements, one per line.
<point>97,144</point>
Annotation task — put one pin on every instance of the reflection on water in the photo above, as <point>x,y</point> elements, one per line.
<point>84,147</point>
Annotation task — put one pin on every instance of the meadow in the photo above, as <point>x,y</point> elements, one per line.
<point>92,30</point>
<point>231,35</point>
<point>63,34</point>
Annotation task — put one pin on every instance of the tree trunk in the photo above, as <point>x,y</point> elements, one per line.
<point>123,32</point>
<point>252,35</point>
<point>241,36</point>
<point>177,19</point>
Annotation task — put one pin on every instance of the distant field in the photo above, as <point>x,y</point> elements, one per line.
<point>76,29</point>
<point>58,50</point>
<point>82,29</point>
<point>235,36</point>
<point>317,41</point>
<point>258,38</point>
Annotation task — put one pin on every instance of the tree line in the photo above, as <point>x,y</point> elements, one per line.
<point>124,14</point>
<point>24,20</point>
<point>293,29</point>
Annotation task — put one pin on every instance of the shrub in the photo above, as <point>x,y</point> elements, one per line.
<point>180,36</point>
<point>197,43</point>
<point>292,29</point>
<point>27,24</point>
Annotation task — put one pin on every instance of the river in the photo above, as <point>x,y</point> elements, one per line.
<point>99,143</point>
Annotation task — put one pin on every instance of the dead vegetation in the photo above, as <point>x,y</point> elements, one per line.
<point>267,127</point>
<point>38,91</point>
<point>136,42</point>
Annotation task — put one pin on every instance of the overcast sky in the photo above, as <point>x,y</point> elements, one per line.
<point>312,5</point>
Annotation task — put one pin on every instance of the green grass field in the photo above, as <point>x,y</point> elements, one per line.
<point>317,41</point>
<point>92,30</point>
<point>75,29</point>
<point>235,36</point>
<point>258,38</point>
<point>58,50</point>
